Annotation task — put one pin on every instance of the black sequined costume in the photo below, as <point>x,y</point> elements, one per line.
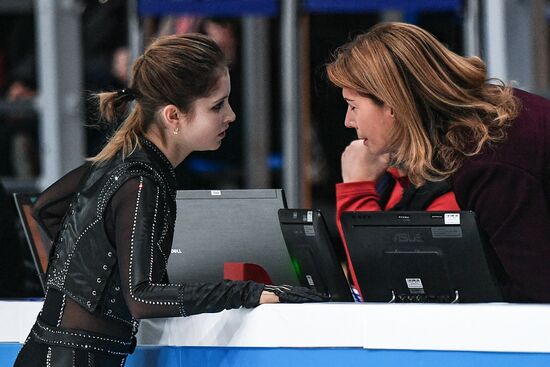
<point>112,226</point>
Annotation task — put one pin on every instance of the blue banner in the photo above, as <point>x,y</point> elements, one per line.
<point>356,6</point>
<point>212,8</point>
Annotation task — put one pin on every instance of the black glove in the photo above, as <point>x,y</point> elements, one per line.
<point>292,294</point>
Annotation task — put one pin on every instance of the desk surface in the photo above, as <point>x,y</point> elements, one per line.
<point>462,327</point>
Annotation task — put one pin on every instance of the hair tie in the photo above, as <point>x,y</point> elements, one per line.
<point>126,94</point>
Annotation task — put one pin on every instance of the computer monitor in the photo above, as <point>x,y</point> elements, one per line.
<point>312,253</point>
<point>420,257</point>
<point>37,239</point>
<point>214,227</point>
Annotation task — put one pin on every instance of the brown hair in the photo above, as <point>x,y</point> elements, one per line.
<point>444,108</point>
<point>173,70</point>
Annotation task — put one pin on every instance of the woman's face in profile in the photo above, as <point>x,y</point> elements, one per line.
<point>211,117</point>
<point>372,121</point>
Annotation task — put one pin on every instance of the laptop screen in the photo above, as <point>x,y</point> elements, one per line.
<point>37,239</point>
<point>218,226</point>
<point>420,257</point>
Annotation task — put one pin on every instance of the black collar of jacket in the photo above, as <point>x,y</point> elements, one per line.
<point>419,198</point>
<point>168,171</point>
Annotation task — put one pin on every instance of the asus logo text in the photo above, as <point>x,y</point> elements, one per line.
<point>407,237</point>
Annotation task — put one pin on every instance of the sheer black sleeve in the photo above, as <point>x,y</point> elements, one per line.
<point>52,204</point>
<point>142,263</point>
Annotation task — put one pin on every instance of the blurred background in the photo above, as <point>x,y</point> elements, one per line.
<point>289,132</point>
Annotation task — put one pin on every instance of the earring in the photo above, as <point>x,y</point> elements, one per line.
<point>176,131</point>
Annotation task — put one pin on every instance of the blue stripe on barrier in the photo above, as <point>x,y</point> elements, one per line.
<point>306,357</point>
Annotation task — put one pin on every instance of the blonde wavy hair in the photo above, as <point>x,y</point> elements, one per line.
<point>173,70</point>
<point>445,110</point>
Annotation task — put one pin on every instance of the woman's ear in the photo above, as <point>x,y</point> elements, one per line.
<point>389,112</point>
<point>172,118</point>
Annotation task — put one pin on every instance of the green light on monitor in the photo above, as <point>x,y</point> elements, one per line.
<point>296,266</point>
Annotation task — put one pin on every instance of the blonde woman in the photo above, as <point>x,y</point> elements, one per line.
<point>433,134</point>
<point>112,220</point>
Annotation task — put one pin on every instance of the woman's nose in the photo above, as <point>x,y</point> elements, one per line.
<point>348,121</point>
<point>231,115</point>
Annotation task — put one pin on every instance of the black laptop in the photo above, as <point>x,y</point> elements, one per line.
<point>39,242</point>
<point>312,253</point>
<point>420,257</point>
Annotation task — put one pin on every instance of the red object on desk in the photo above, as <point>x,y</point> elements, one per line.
<point>245,271</point>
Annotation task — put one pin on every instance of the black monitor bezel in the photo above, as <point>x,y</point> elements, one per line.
<point>314,253</point>
<point>468,267</point>
<point>39,247</point>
